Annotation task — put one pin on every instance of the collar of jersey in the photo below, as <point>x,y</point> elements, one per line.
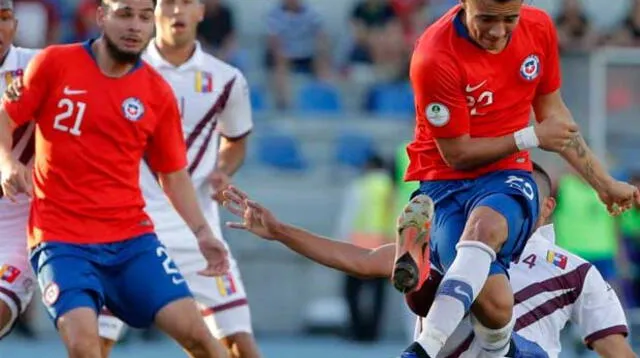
<point>87,46</point>
<point>195,62</point>
<point>462,30</point>
<point>545,233</point>
<point>11,61</point>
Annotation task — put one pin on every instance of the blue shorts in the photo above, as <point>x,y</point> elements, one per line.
<point>134,279</point>
<point>512,193</point>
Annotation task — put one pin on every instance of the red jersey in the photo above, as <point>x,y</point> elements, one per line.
<point>92,132</point>
<point>462,89</point>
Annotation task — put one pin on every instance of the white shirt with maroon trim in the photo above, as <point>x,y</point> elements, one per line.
<point>214,100</point>
<point>12,214</point>
<point>551,288</point>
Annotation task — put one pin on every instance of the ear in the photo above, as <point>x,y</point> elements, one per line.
<point>548,206</point>
<point>101,13</point>
<point>201,12</point>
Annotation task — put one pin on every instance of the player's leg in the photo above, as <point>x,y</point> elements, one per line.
<point>72,293</point>
<point>223,304</point>
<point>182,321</point>
<point>17,285</point>
<point>110,329</point>
<point>412,244</point>
<point>149,289</point>
<point>498,224</point>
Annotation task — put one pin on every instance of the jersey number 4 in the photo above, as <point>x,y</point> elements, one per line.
<point>70,109</point>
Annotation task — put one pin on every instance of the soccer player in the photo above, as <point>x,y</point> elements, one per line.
<point>552,286</point>
<point>477,72</point>
<point>216,117</point>
<point>98,110</point>
<point>17,282</point>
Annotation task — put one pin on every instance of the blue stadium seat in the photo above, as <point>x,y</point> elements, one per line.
<point>319,97</point>
<point>280,151</point>
<point>353,150</point>
<point>258,99</point>
<point>391,99</point>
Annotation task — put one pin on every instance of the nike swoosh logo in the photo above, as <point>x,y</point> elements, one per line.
<point>459,291</point>
<point>177,281</point>
<point>69,92</point>
<point>471,89</point>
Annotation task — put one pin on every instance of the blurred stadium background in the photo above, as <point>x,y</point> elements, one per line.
<point>317,124</point>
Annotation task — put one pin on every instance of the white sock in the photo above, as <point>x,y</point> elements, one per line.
<point>459,288</point>
<point>494,342</point>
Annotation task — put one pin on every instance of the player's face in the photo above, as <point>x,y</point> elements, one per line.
<point>546,210</point>
<point>490,22</point>
<point>8,25</point>
<point>177,21</point>
<point>127,26</point>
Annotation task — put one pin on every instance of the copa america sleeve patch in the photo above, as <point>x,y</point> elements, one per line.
<point>437,114</point>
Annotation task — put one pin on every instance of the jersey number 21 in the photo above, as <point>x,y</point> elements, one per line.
<point>70,119</point>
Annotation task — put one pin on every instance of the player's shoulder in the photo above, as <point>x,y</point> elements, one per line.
<point>535,19</point>
<point>565,260</point>
<point>25,53</point>
<point>219,68</point>
<point>153,78</point>
<point>435,48</point>
<point>61,53</point>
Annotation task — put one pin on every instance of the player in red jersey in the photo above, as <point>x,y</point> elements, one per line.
<point>477,73</point>
<point>98,111</point>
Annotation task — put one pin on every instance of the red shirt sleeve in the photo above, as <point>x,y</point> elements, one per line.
<point>551,75</point>
<point>36,81</point>
<point>440,101</point>
<point>166,150</point>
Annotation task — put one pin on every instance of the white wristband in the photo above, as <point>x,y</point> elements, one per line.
<point>526,138</point>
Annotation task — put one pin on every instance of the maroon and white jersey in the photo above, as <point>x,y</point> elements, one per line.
<point>23,137</point>
<point>551,288</point>
<point>214,101</point>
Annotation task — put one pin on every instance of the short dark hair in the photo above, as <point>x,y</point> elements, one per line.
<point>105,2</point>
<point>543,180</point>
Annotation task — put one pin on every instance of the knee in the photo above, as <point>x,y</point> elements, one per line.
<point>83,345</point>
<point>199,342</point>
<point>494,311</point>
<point>487,226</point>
<point>6,316</point>
<point>241,345</point>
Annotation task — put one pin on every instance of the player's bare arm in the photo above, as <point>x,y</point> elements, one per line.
<point>618,196</point>
<point>231,155</point>
<point>179,189</point>
<point>14,175</point>
<point>342,256</point>
<point>613,346</point>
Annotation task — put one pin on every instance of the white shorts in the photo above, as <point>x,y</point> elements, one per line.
<point>222,300</point>
<point>17,281</point>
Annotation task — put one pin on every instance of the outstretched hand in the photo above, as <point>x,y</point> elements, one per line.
<point>255,218</point>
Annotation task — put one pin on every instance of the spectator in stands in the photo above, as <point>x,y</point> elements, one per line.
<point>413,18</point>
<point>628,34</point>
<point>379,52</point>
<point>575,32</point>
<point>41,22</point>
<point>367,220</point>
<point>296,43</point>
<point>217,31</point>
<point>85,20</point>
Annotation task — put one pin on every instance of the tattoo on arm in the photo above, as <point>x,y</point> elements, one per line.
<point>578,145</point>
